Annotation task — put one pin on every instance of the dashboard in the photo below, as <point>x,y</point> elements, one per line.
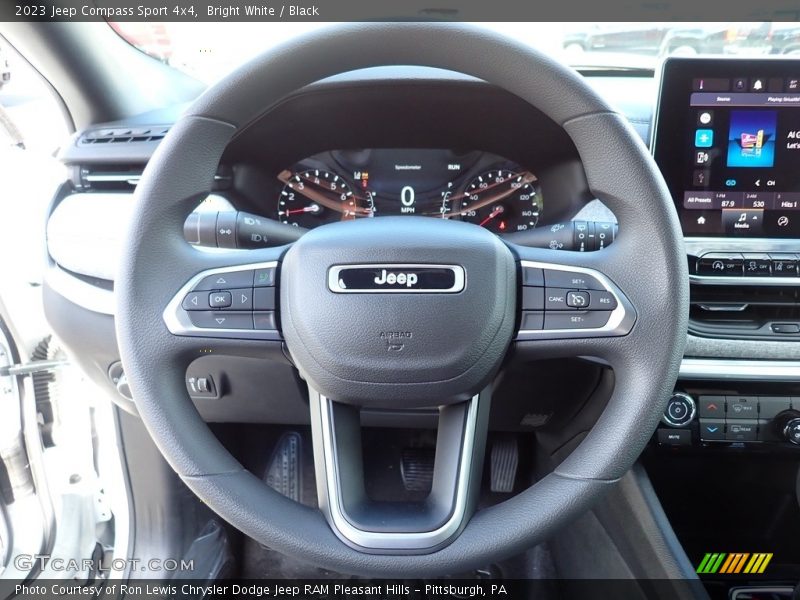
<point>473,186</point>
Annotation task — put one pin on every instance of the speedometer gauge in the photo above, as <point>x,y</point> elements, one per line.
<point>313,197</point>
<point>502,201</point>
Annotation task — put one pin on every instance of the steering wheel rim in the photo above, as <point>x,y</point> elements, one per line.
<point>646,262</point>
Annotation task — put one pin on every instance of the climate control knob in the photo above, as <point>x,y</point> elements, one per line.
<point>788,425</point>
<point>680,410</point>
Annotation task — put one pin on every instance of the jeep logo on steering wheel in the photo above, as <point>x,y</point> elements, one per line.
<point>396,278</point>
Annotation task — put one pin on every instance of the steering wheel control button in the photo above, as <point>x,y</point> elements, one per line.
<point>532,320</point>
<point>226,281</point>
<point>195,301</point>
<point>602,301</point>
<point>711,407</point>
<point>242,299</point>
<point>219,299</point>
<point>265,320</point>
<point>575,319</point>
<point>712,430</point>
<point>675,437</point>
<point>578,299</point>
<point>532,298</point>
<point>742,407</point>
<point>264,299</point>
<point>555,299</point>
<point>221,320</point>
<point>721,265</point>
<point>680,410</point>
<point>264,277</point>
<point>742,431</point>
<point>532,276</point>
<point>571,279</point>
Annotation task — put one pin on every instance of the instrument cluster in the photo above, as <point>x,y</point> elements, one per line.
<point>473,186</point>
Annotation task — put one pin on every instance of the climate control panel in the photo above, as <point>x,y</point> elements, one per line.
<point>715,419</point>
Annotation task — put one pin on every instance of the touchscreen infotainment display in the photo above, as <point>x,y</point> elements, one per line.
<point>727,140</point>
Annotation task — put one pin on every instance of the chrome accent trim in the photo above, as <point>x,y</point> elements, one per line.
<point>690,401</point>
<point>620,321</point>
<point>748,591</point>
<point>330,498</point>
<point>177,319</point>
<point>739,370</point>
<point>459,282</point>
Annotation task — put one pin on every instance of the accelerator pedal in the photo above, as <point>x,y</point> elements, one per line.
<point>505,460</point>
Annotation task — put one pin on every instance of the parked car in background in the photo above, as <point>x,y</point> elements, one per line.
<point>670,39</point>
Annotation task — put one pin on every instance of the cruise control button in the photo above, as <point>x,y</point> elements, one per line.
<point>531,320</point>
<point>242,299</point>
<point>195,301</point>
<point>571,279</point>
<point>711,407</point>
<point>725,265</point>
<point>602,301</point>
<point>219,299</point>
<point>712,429</point>
<point>264,277</point>
<point>209,319</point>
<point>575,319</point>
<point>742,407</point>
<point>556,299</point>
<point>532,276</point>
<point>742,431</point>
<point>264,320</point>
<point>225,281</point>
<point>578,299</point>
<point>264,298</point>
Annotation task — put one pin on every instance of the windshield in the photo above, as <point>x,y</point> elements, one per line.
<point>208,51</point>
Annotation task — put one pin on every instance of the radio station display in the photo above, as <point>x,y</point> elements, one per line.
<point>728,143</point>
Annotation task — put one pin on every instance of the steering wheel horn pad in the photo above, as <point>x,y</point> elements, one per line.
<point>455,358</point>
<point>401,344</point>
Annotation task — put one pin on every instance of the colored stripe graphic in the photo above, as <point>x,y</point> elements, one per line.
<point>734,563</point>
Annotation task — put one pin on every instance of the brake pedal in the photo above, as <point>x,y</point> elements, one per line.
<point>505,460</point>
<point>285,470</point>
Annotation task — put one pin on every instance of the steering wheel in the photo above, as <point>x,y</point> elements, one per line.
<point>360,307</point>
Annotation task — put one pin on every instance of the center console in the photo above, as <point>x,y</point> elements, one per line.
<point>727,140</point>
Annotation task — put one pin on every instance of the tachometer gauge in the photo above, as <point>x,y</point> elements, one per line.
<point>313,197</point>
<point>503,201</point>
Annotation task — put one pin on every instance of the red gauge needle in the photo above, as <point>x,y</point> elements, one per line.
<point>314,208</point>
<point>498,210</point>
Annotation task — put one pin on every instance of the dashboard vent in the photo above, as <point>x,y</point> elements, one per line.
<point>123,135</point>
<point>737,312</point>
<point>124,177</point>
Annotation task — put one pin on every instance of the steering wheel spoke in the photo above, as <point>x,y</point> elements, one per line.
<point>398,526</point>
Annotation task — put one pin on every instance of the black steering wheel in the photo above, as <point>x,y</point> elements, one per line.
<point>359,308</point>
